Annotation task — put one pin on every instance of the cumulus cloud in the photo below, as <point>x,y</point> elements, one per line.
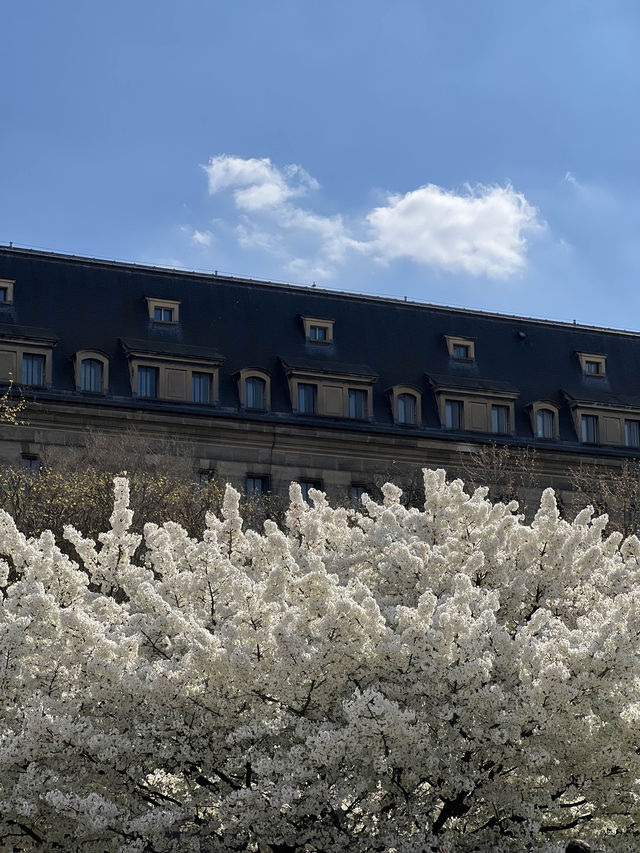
<point>201,238</point>
<point>481,231</point>
<point>257,184</point>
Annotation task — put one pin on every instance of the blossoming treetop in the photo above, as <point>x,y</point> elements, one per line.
<point>387,681</point>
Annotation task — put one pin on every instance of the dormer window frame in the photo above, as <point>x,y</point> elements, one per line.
<point>456,342</point>
<point>174,374</point>
<point>593,365</point>
<point>14,352</point>
<point>545,406</point>
<point>254,373</point>
<point>475,406</point>
<point>395,393</point>
<point>155,304</point>
<point>330,397</point>
<point>82,355</point>
<point>6,289</point>
<point>315,327</point>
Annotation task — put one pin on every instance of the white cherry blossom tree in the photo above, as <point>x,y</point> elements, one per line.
<point>391,680</point>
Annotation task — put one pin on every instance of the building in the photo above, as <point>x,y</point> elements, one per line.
<point>269,382</point>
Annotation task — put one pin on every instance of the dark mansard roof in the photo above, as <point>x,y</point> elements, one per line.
<point>86,304</point>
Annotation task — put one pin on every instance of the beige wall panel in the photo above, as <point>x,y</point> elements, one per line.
<point>176,384</point>
<point>8,365</point>
<point>333,400</point>
<point>611,430</point>
<point>476,416</point>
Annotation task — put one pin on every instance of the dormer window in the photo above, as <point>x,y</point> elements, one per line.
<point>318,330</point>
<point>33,368</point>
<point>632,433</point>
<point>317,333</point>
<point>91,375</point>
<point>147,381</point>
<point>500,419</point>
<point>544,423</point>
<point>91,371</point>
<point>6,291</point>
<point>165,311</point>
<point>589,429</point>
<point>405,405</point>
<point>462,349</point>
<point>164,315</point>
<point>255,392</point>
<point>592,364</point>
<point>453,414</point>
<point>406,409</point>
<point>254,389</point>
<point>307,398</point>
<point>358,403</point>
<point>201,387</point>
<point>544,419</point>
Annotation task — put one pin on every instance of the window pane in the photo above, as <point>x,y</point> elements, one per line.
<point>406,409</point>
<point>254,392</point>
<point>592,367</point>
<point>453,414</point>
<point>357,491</point>
<point>147,381</point>
<point>306,399</point>
<point>544,423</point>
<point>460,351</point>
<point>3,294</point>
<point>357,403</point>
<point>499,419</point>
<point>201,387</point>
<point>91,379</point>
<point>31,464</point>
<point>164,315</point>
<point>632,433</point>
<point>257,486</point>
<point>589,429</point>
<point>33,370</point>
<point>317,333</point>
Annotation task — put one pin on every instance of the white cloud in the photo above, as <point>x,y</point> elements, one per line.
<point>201,238</point>
<point>481,231</point>
<point>257,184</point>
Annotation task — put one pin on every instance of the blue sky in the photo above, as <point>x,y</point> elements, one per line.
<point>482,154</point>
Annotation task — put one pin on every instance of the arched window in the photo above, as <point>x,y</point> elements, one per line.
<point>406,409</point>
<point>91,369</point>
<point>405,405</point>
<point>544,419</point>
<point>91,376</point>
<point>544,423</point>
<point>255,388</point>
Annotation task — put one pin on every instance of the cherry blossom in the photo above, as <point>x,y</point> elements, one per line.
<point>391,679</point>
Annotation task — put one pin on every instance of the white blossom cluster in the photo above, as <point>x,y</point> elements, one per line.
<point>390,680</point>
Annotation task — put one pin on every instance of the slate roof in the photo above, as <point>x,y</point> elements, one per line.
<point>171,348</point>
<point>92,304</point>
<point>329,366</point>
<point>471,383</point>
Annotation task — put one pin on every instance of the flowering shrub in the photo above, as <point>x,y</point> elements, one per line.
<point>396,680</point>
